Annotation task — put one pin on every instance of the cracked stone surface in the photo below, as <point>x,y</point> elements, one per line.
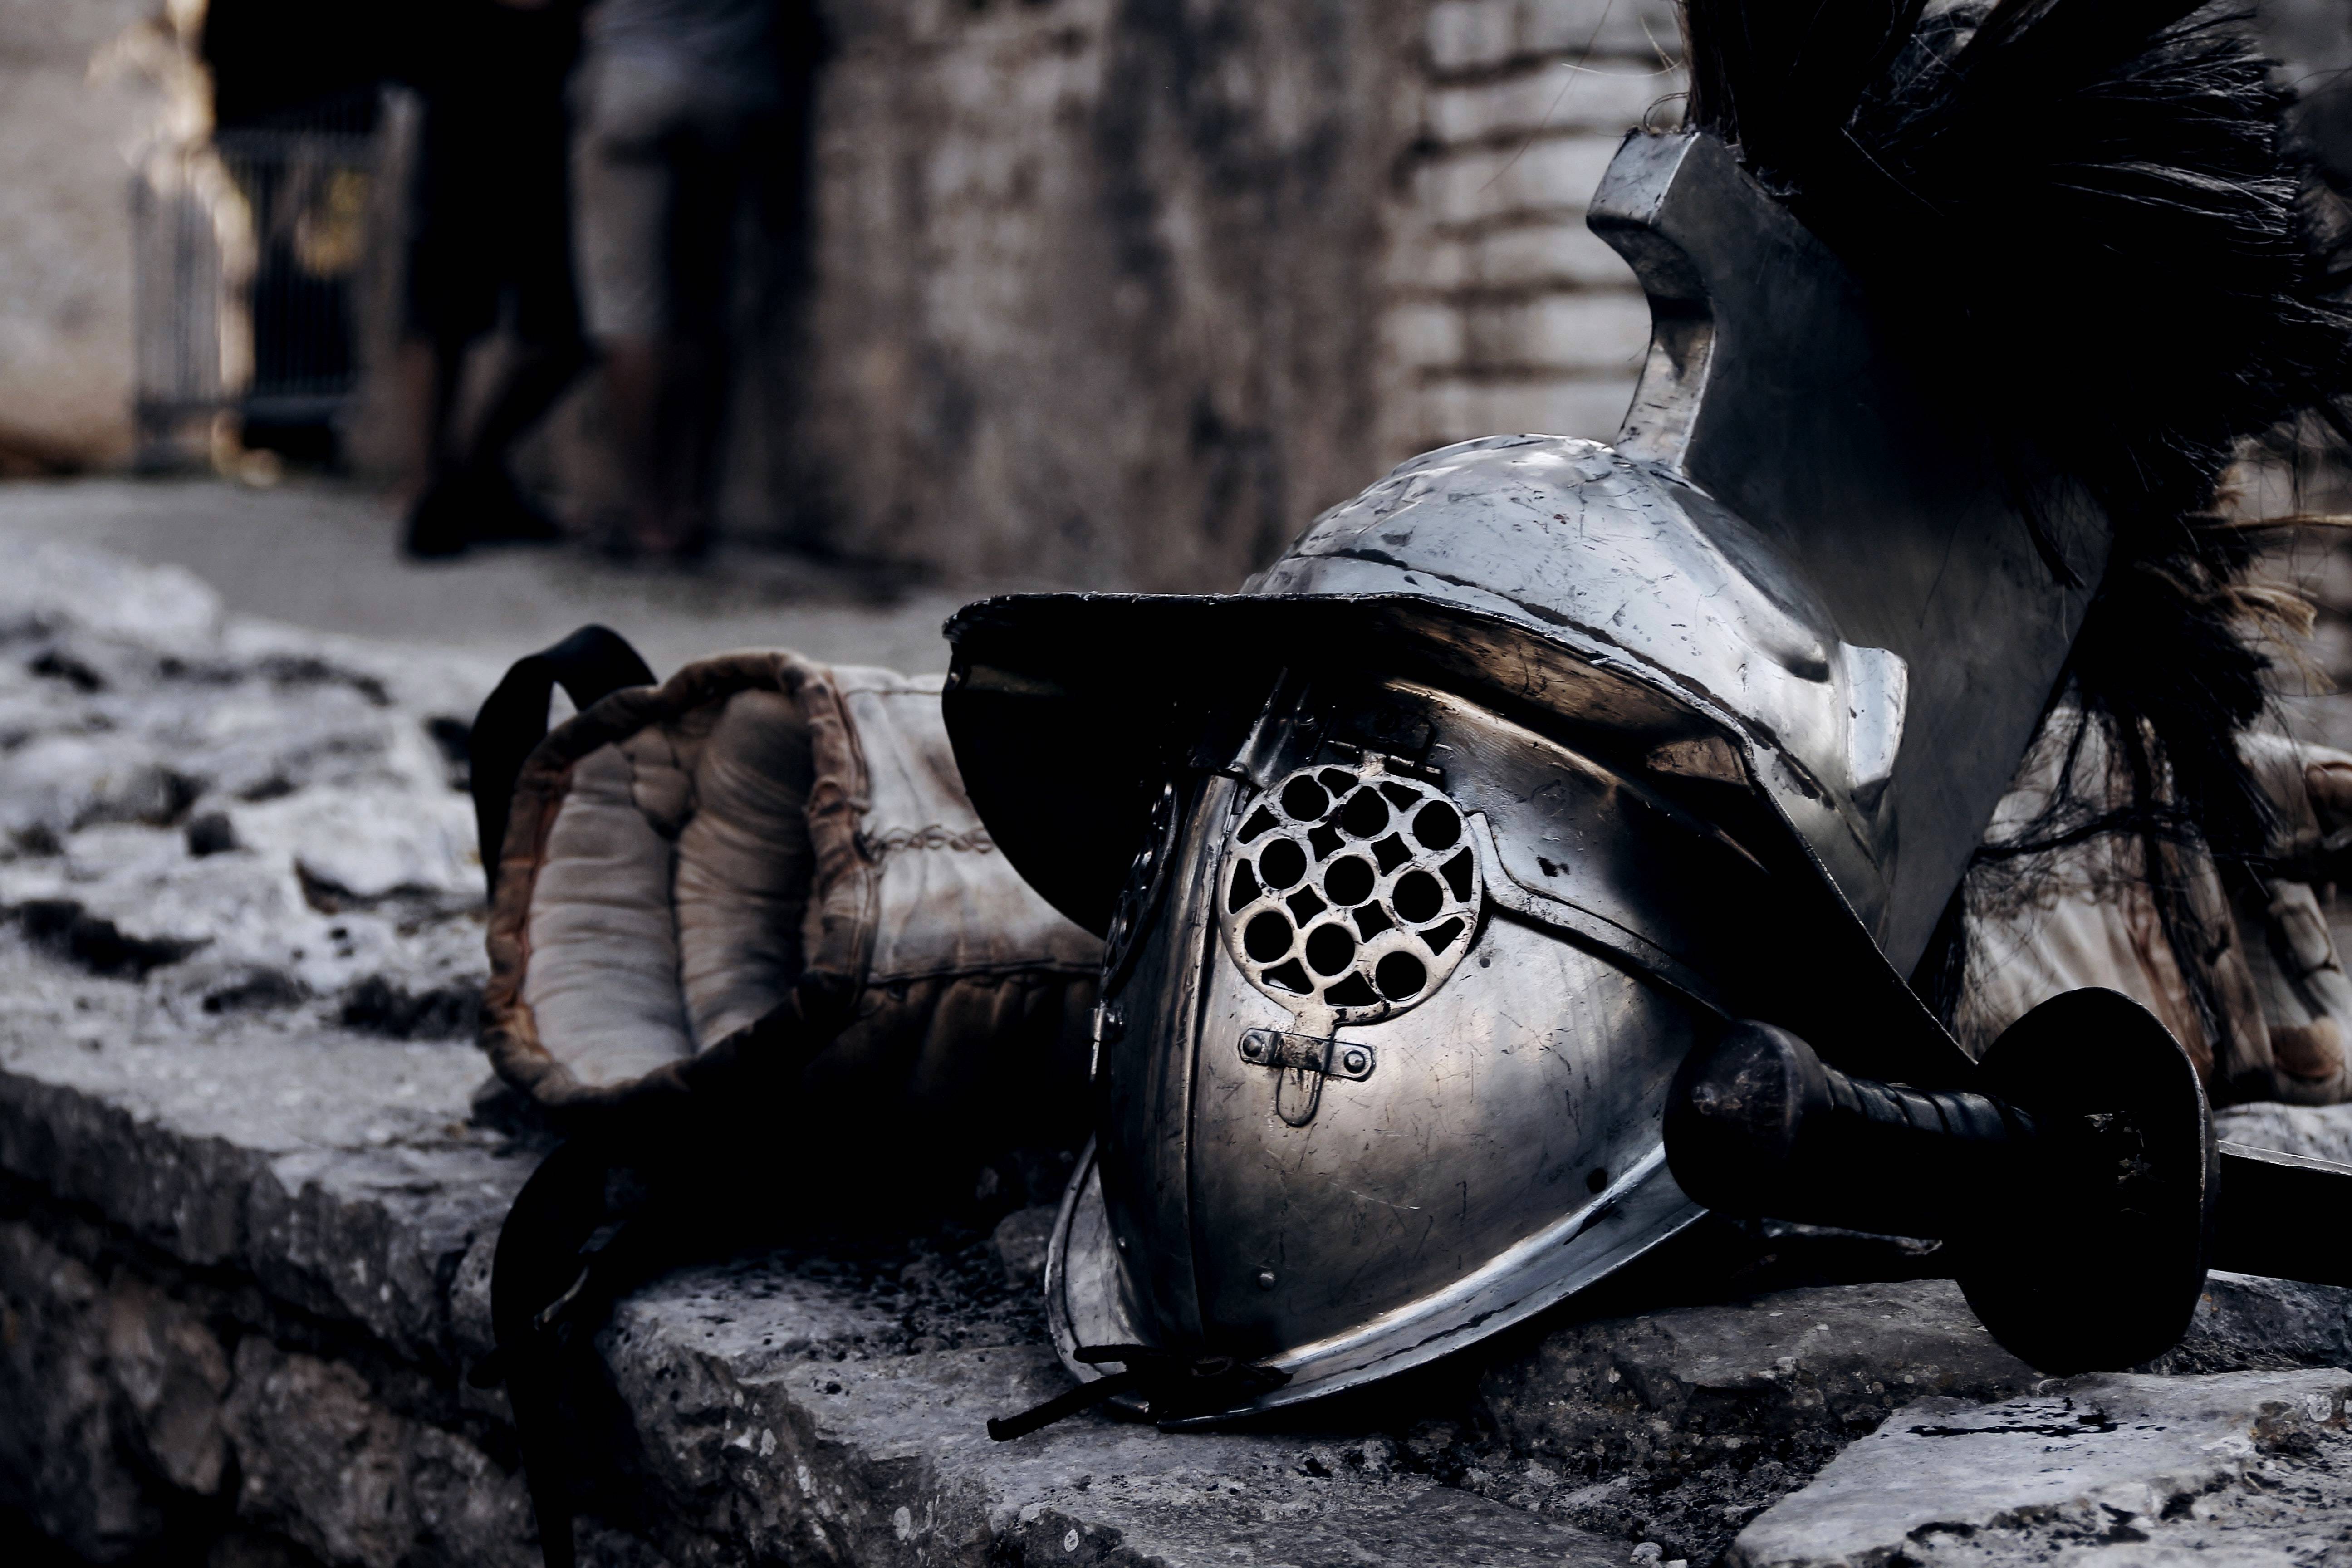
<point>1677,1426</point>
<point>248,1204</point>
<point>256,819</point>
<point>2129,1470</point>
<point>305,1274</point>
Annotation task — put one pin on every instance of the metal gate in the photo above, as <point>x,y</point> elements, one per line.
<point>248,259</point>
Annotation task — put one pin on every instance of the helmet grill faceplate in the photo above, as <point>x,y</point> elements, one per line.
<point>1350,893</point>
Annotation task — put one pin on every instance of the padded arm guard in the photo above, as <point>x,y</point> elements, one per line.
<point>677,858</point>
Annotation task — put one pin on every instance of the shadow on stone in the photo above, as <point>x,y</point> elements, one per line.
<point>375,1005</point>
<point>65,929</point>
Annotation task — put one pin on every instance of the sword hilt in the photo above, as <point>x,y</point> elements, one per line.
<point>2076,1187</point>
<point>1758,1125</point>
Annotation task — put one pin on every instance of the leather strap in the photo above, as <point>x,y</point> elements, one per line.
<point>590,665</point>
<point>568,1250</point>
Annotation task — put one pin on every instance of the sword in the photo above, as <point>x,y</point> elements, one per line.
<point>2082,1188</point>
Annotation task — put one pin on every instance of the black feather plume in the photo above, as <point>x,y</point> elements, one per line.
<point>2082,219</point>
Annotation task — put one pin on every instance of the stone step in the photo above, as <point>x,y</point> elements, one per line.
<point>2253,1468</point>
<point>262,1253</point>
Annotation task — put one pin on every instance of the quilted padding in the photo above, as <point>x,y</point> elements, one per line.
<point>678,856</point>
<point>603,981</point>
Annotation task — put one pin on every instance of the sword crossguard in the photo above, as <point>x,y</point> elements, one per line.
<point>2076,1189</point>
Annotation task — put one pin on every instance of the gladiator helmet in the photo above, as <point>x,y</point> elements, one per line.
<point>1424,861</point>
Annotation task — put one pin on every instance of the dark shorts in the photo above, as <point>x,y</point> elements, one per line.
<point>491,231</point>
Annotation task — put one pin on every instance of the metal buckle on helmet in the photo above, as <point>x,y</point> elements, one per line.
<point>1304,1063</point>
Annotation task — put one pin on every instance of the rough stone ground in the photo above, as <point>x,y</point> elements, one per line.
<point>247,1200</point>
<point>2245,1469</point>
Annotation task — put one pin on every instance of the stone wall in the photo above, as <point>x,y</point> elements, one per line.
<point>1507,314</point>
<point>1125,291</point>
<point>65,232</point>
<point>1099,282</point>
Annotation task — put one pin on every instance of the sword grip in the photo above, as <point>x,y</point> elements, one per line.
<point>1757,1124</point>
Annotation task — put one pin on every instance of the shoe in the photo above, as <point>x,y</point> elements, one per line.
<point>503,514</point>
<point>437,523</point>
<point>461,510</point>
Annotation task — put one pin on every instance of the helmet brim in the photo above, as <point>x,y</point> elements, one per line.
<point>1068,712</point>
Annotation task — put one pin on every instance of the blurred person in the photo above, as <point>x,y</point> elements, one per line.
<point>678,102</point>
<point>492,241</point>
<point>273,63</point>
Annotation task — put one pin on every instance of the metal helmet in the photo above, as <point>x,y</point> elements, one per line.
<point>1423,862</point>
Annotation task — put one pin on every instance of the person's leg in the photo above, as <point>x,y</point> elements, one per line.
<point>622,188</point>
<point>476,476</point>
<point>453,287</point>
<point>536,375</point>
<point>636,372</point>
<point>549,352</point>
<point>416,382</point>
<point>475,488</point>
<point>709,181</point>
<point>698,387</point>
<point>431,369</point>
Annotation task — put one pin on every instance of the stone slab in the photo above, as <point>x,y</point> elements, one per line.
<point>1720,1378</point>
<point>339,1171</point>
<point>1678,1426</point>
<point>2116,1469</point>
<point>772,1410</point>
<point>2249,1322</point>
<point>885,1459</point>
